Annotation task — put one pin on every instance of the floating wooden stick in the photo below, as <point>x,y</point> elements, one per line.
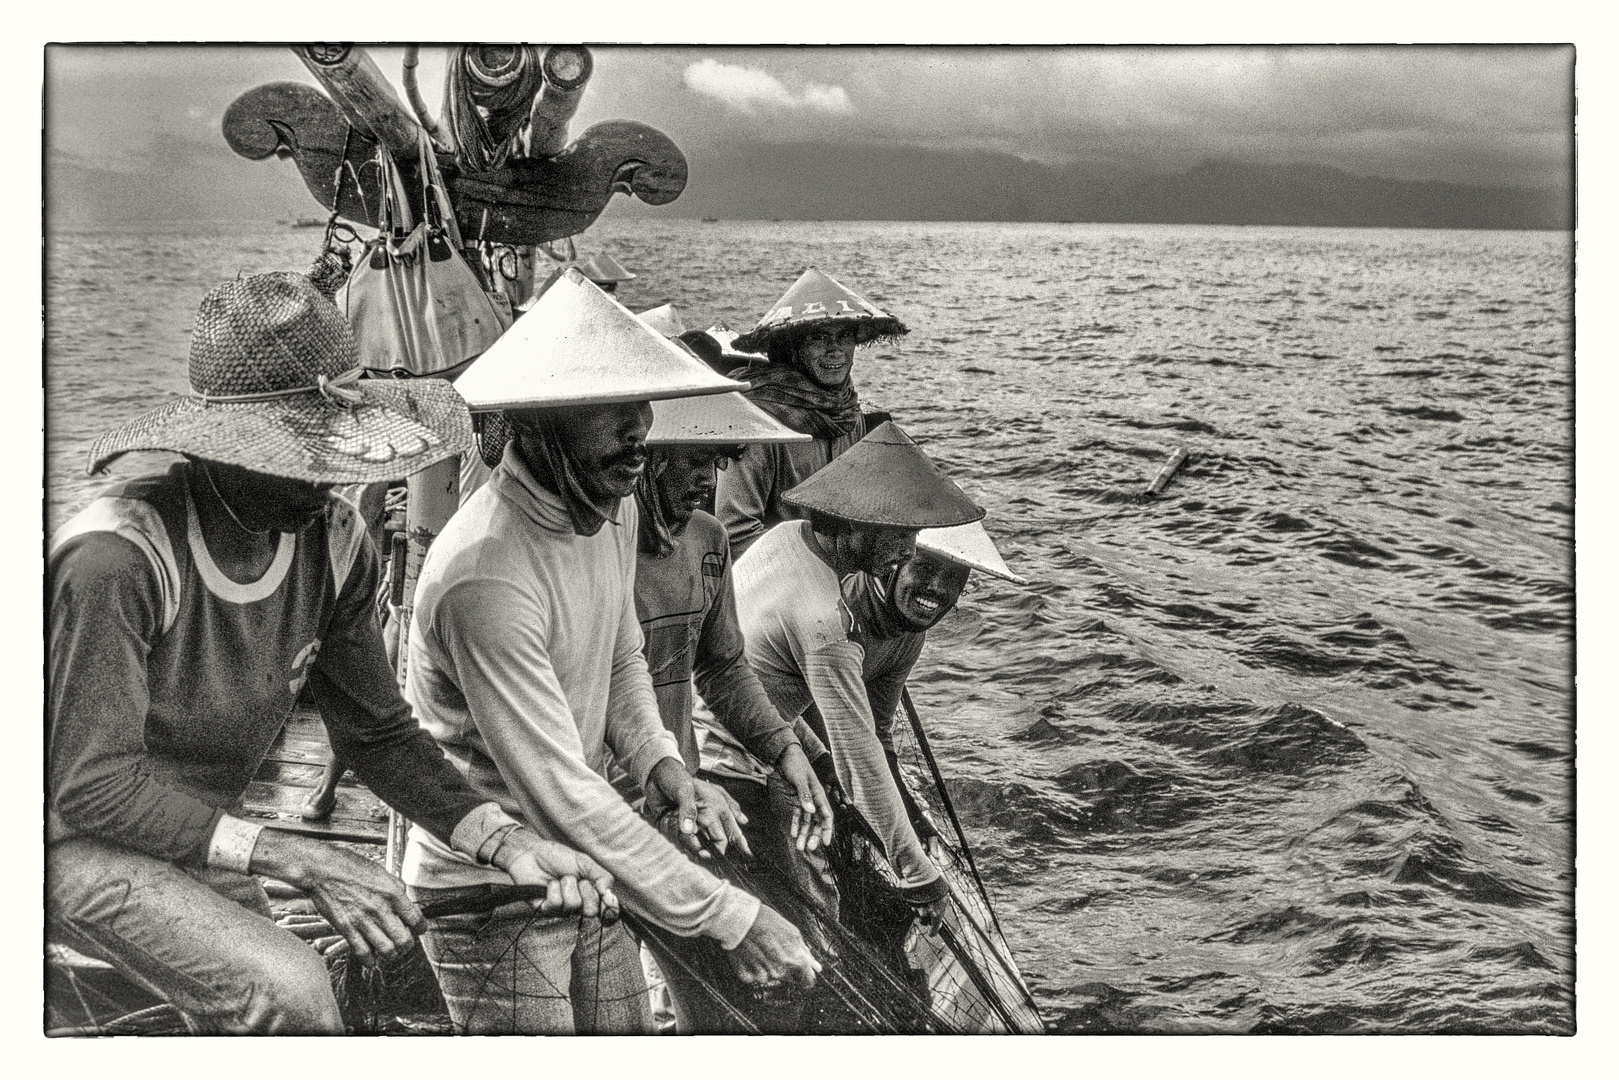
<point>1167,473</point>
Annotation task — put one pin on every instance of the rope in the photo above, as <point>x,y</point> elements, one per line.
<point>966,850</point>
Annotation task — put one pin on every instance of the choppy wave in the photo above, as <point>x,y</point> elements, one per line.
<point>1286,748</point>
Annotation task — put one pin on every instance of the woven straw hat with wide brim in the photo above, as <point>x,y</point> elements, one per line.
<point>971,546</point>
<point>579,346</point>
<point>716,420</point>
<point>814,300</point>
<point>885,479</point>
<point>275,384</point>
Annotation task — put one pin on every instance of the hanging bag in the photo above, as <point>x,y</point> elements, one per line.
<point>415,306</point>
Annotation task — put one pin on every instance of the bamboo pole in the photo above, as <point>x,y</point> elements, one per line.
<point>441,142</point>
<point>433,495</point>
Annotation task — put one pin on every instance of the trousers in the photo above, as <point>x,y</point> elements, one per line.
<point>200,938</point>
<point>516,971</point>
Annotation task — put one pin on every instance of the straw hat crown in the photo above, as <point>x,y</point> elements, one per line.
<point>885,479</point>
<point>268,332</point>
<point>276,388</point>
<point>579,346</point>
<point>970,545</point>
<point>817,298</point>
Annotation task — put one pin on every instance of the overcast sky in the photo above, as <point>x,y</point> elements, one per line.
<point>1469,115</point>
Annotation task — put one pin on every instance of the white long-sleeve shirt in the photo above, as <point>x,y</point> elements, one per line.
<point>525,665</point>
<point>797,630</point>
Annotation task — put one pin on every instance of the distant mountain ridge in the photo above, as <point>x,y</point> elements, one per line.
<point>810,181</point>
<point>846,182</point>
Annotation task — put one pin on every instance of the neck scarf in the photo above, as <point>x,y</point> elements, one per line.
<point>656,535</point>
<point>556,470</point>
<point>788,393</point>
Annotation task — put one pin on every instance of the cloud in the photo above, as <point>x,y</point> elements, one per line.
<point>747,89</point>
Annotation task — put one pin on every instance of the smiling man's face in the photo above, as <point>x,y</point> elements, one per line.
<point>926,588</point>
<point>828,354</point>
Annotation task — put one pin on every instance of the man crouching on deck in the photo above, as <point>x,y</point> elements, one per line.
<point>525,664</point>
<point>187,610</point>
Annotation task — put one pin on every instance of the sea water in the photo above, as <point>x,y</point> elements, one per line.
<point>1286,748</point>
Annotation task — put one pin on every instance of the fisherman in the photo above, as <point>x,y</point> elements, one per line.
<point>893,614</point>
<point>864,512</point>
<point>525,663</point>
<point>687,607</point>
<point>810,336</point>
<point>187,611</point>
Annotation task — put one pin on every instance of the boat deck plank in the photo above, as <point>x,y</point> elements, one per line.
<point>292,768</point>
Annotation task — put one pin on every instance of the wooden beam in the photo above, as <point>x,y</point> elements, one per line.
<point>364,94</point>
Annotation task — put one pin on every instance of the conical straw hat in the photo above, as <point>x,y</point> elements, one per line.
<point>970,545</point>
<point>718,420</point>
<point>885,479</point>
<point>665,320</point>
<point>579,346</point>
<point>817,298</point>
<point>276,388</point>
<point>603,267</point>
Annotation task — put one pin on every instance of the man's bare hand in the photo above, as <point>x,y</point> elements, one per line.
<point>774,954</point>
<point>573,880</point>
<point>812,819</point>
<point>704,809</point>
<point>362,901</point>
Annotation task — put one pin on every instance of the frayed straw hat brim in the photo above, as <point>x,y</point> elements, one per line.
<point>400,428</point>
<point>868,329</point>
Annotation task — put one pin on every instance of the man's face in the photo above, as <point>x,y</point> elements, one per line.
<point>263,501</point>
<point>687,475</point>
<point>877,549</point>
<point>926,588</point>
<point>608,443</point>
<point>828,353</point>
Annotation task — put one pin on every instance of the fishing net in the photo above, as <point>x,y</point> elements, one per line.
<point>973,979</point>
<point>884,969</point>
